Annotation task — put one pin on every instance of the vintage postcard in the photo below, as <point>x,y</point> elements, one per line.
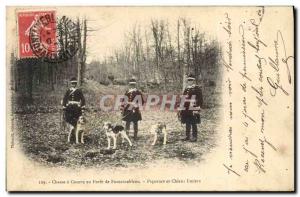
<point>150,98</point>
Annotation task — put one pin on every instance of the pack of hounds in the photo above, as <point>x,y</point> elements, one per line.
<point>74,104</point>
<point>114,131</point>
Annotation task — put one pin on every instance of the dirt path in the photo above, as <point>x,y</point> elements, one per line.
<point>44,140</point>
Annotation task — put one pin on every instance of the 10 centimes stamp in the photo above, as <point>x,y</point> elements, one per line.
<point>42,35</point>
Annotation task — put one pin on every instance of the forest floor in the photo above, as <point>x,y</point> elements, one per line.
<point>44,139</point>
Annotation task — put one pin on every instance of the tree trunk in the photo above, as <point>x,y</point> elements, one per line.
<point>80,54</point>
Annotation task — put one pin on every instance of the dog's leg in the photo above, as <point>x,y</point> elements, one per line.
<point>77,136</point>
<point>155,139</point>
<point>125,136</point>
<point>70,133</point>
<point>108,142</point>
<point>115,141</point>
<point>82,135</point>
<point>164,131</point>
<point>69,136</point>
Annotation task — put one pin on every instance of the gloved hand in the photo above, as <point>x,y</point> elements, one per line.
<point>197,108</point>
<point>196,112</point>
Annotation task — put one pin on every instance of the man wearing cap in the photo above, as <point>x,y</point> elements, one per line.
<point>73,105</point>
<point>191,115</point>
<point>130,108</point>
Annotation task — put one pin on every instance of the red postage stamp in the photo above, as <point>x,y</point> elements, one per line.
<point>37,34</point>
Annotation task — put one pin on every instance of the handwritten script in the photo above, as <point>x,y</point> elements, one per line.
<point>264,72</point>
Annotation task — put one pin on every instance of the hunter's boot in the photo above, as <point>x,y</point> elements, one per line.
<point>194,133</point>
<point>187,132</point>
<point>187,136</point>
<point>135,128</point>
<point>135,135</point>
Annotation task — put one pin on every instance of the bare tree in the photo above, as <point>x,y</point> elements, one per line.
<point>158,56</point>
<point>158,30</point>
<point>82,33</point>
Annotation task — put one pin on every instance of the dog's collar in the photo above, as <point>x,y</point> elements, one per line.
<point>191,86</point>
<point>132,89</point>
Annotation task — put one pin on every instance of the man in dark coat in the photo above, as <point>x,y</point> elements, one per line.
<point>73,105</point>
<point>130,108</point>
<point>191,116</point>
